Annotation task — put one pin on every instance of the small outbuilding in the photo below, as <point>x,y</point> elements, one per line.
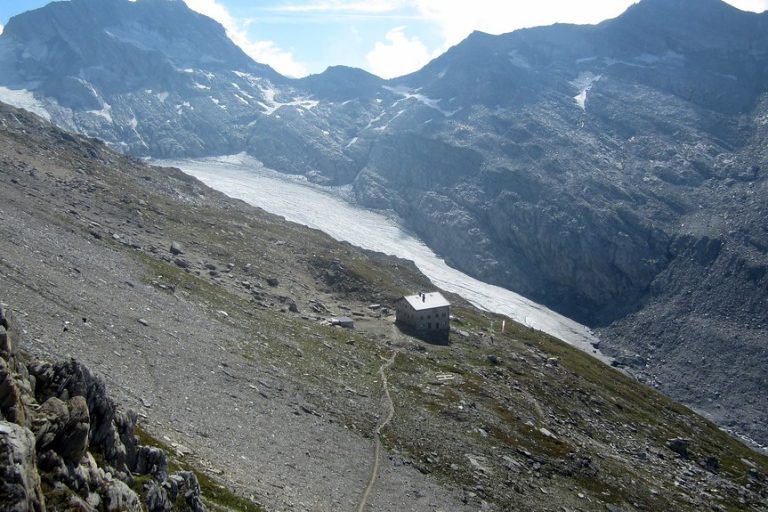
<point>426,313</point>
<point>343,321</point>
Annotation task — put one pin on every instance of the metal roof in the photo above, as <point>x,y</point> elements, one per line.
<point>424,301</point>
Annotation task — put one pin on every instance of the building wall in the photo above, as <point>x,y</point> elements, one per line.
<point>437,319</point>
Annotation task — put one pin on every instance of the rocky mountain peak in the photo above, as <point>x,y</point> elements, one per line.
<point>82,49</point>
<point>184,37</point>
<point>341,83</point>
<point>704,23</point>
<point>656,7</point>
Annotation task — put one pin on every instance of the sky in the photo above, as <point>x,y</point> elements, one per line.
<point>386,37</point>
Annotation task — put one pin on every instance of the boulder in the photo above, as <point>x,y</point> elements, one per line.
<point>629,360</point>
<point>125,423</point>
<point>156,498</point>
<point>712,464</point>
<point>151,461</point>
<point>3,321</point>
<point>11,403</point>
<point>48,422</point>
<point>120,497</point>
<point>680,446</point>
<point>176,248</point>
<point>184,484</point>
<point>72,442</point>
<point>70,379</point>
<point>6,346</point>
<point>74,503</point>
<point>19,481</point>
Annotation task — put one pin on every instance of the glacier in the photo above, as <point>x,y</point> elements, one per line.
<point>327,209</point>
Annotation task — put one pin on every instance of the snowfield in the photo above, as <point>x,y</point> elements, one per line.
<point>22,98</point>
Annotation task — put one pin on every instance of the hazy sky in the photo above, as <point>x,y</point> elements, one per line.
<point>386,37</point>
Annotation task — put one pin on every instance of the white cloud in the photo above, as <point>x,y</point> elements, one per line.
<point>458,19</point>
<point>750,5</point>
<point>365,6</point>
<point>265,52</point>
<point>397,55</point>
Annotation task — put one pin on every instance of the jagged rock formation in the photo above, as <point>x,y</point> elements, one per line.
<point>614,172</point>
<point>56,421</point>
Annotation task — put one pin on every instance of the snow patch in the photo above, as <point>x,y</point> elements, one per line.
<point>105,112</point>
<point>399,113</point>
<point>408,93</point>
<point>22,98</point>
<point>201,86</point>
<point>241,91</point>
<point>217,103</point>
<point>584,60</point>
<point>162,96</point>
<point>584,83</point>
<point>374,120</point>
<point>518,60</point>
<point>352,142</point>
<point>670,57</point>
<point>269,93</point>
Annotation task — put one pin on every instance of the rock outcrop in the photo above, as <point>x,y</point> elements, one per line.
<point>57,420</point>
<point>19,480</point>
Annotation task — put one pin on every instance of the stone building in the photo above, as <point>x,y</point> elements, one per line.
<point>426,313</point>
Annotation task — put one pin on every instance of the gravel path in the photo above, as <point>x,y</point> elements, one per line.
<point>377,440</point>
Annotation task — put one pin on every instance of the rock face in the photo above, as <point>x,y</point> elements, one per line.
<point>19,483</point>
<point>615,173</point>
<point>11,406</point>
<point>55,418</point>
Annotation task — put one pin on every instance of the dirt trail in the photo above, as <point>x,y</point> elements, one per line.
<point>376,434</point>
